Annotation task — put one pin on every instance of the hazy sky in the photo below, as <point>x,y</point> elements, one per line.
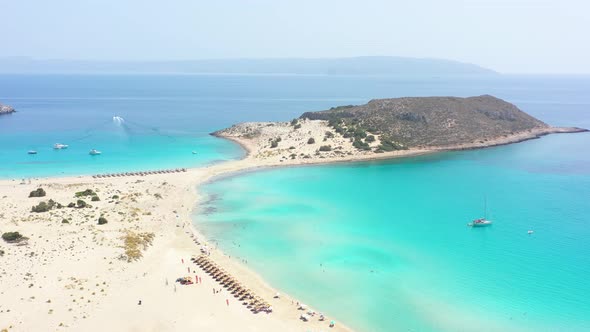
<point>522,36</point>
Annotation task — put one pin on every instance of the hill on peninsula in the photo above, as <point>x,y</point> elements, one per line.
<point>431,121</point>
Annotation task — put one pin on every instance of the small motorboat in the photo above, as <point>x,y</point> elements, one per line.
<point>94,152</point>
<point>32,152</point>
<point>59,146</point>
<point>194,152</point>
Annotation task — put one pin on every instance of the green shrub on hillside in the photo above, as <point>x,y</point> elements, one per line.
<point>388,145</point>
<point>359,144</point>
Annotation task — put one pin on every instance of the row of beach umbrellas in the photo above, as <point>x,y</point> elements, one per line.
<point>164,171</point>
<point>245,295</point>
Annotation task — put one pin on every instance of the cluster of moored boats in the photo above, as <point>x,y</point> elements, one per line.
<point>59,146</point>
<point>163,171</point>
<point>245,295</point>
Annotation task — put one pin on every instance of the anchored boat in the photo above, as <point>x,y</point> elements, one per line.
<point>481,222</point>
<point>94,152</point>
<point>59,146</point>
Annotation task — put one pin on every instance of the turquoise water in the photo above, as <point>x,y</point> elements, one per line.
<point>385,246</point>
<point>169,116</point>
<point>382,245</point>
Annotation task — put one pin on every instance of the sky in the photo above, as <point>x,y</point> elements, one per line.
<point>509,36</point>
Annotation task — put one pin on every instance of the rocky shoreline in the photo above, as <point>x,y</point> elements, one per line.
<point>279,143</point>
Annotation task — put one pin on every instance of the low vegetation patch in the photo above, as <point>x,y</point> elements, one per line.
<point>359,144</point>
<point>102,220</point>
<point>46,206</point>
<point>311,141</point>
<point>87,192</point>
<point>95,199</point>
<point>12,237</point>
<point>388,145</point>
<point>38,193</point>
<point>275,142</point>
<point>135,243</point>
<point>324,148</point>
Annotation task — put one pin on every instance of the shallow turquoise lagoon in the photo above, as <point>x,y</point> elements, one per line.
<point>385,246</point>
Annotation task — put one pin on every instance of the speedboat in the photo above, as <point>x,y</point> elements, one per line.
<point>481,222</point>
<point>32,152</point>
<point>59,146</point>
<point>94,152</point>
<point>194,152</point>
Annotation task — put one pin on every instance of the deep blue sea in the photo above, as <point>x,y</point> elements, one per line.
<point>383,246</point>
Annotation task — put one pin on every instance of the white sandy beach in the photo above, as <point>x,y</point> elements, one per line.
<point>72,276</point>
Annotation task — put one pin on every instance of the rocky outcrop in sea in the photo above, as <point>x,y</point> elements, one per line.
<point>5,109</point>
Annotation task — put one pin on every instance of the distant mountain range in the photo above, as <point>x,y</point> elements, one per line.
<point>369,65</point>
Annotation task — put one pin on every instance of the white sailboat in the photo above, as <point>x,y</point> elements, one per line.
<point>482,222</point>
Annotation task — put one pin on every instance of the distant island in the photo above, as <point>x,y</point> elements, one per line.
<point>386,128</point>
<point>5,109</point>
<point>367,65</point>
